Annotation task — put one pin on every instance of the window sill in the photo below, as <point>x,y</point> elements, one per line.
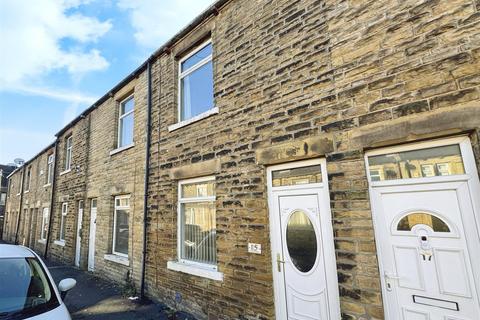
<point>117,259</point>
<point>195,270</point>
<point>59,243</point>
<point>42,241</point>
<point>65,172</point>
<point>122,149</point>
<point>199,117</point>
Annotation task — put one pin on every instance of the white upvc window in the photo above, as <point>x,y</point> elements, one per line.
<point>63,219</point>
<point>126,122</point>
<point>196,82</point>
<point>197,222</point>
<point>68,153</point>
<point>50,160</point>
<point>121,226</point>
<point>44,230</point>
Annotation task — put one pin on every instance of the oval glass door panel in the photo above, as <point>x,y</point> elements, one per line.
<point>301,241</point>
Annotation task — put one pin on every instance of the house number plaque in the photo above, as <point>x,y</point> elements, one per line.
<point>255,248</point>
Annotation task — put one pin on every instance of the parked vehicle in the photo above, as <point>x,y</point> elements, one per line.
<point>27,290</point>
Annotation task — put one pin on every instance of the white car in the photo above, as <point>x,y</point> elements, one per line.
<point>27,290</point>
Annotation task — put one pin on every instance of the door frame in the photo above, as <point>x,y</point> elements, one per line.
<point>326,229</point>
<point>78,238</point>
<point>470,176</point>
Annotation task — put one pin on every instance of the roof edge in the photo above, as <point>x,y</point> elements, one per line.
<point>211,10</point>
<point>51,145</point>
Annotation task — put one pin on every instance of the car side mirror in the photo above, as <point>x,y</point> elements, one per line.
<point>66,285</point>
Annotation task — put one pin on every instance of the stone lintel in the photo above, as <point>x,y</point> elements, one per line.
<point>434,124</point>
<point>295,150</point>
<point>194,170</point>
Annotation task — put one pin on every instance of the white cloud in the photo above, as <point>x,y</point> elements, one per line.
<point>156,21</point>
<point>57,94</point>
<point>32,35</point>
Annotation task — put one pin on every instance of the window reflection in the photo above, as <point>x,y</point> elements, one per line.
<point>431,162</point>
<point>296,176</point>
<point>413,219</point>
<point>301,241</point>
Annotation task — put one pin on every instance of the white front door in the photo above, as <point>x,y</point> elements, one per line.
<point>79,233</point>
<point>303,255</point>
<point>425,208</point>
<point>93,230</point>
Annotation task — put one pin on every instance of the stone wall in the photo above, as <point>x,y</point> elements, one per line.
<point>69,188</point>
<point>35,200</point>
<point>12,206</point>
<point>112,173</point>
<point>296,80</point>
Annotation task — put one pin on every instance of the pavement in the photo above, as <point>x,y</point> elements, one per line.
<point>94,298</point>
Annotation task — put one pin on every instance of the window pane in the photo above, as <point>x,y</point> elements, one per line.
<point>197,57</point>
<point>198,190</point>
<point>199,232</point>
<point>411,220</point>
<point>438,161</point>
<point>121,231</point>
<point>197,92</point>
<point>303,175</point>
<point>25,288</point>
<point>126,130</point>
<point>127,106</point>
<point>62,228</point>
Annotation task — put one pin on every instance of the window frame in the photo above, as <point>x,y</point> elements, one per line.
<point>50,161</point>
<point>115,207</point>
<point>193,68</point>
<point>121,116</point>
<point>45,213</point>
<point>68,152</point>
<point>181,201</point>
<point>63,217</point>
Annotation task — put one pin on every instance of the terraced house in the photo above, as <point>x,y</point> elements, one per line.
<point>305,160</point>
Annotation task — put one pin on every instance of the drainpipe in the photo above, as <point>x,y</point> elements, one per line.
<point>147,173</point>
<point>21,205</point>
<point>52,198</point>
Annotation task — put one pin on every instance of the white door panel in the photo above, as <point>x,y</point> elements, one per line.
<point>428,246</point>
<point>303,257</point>
<point>79,234</point>
<point>93,230</point>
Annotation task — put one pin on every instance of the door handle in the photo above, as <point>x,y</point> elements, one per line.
<point>388,279</point>
<point>279,262</point>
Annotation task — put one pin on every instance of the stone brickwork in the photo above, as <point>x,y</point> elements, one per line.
<point>70,188</point>
<point>12,207</point>
<point>296,80</point>
<point>115,174</point>
<point>293,80</point>
<point>35,197</point>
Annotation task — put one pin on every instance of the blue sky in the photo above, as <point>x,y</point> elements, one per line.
<point>59,56</point>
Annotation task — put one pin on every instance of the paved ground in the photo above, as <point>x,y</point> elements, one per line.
<point>96,299</point>
<point>93,298</point>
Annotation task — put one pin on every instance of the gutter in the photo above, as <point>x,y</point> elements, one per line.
<point>21,205</point>
<point>147,174</point>
<point>52,198</point>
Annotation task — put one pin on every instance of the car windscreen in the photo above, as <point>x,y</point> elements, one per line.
<point>25,289</point>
